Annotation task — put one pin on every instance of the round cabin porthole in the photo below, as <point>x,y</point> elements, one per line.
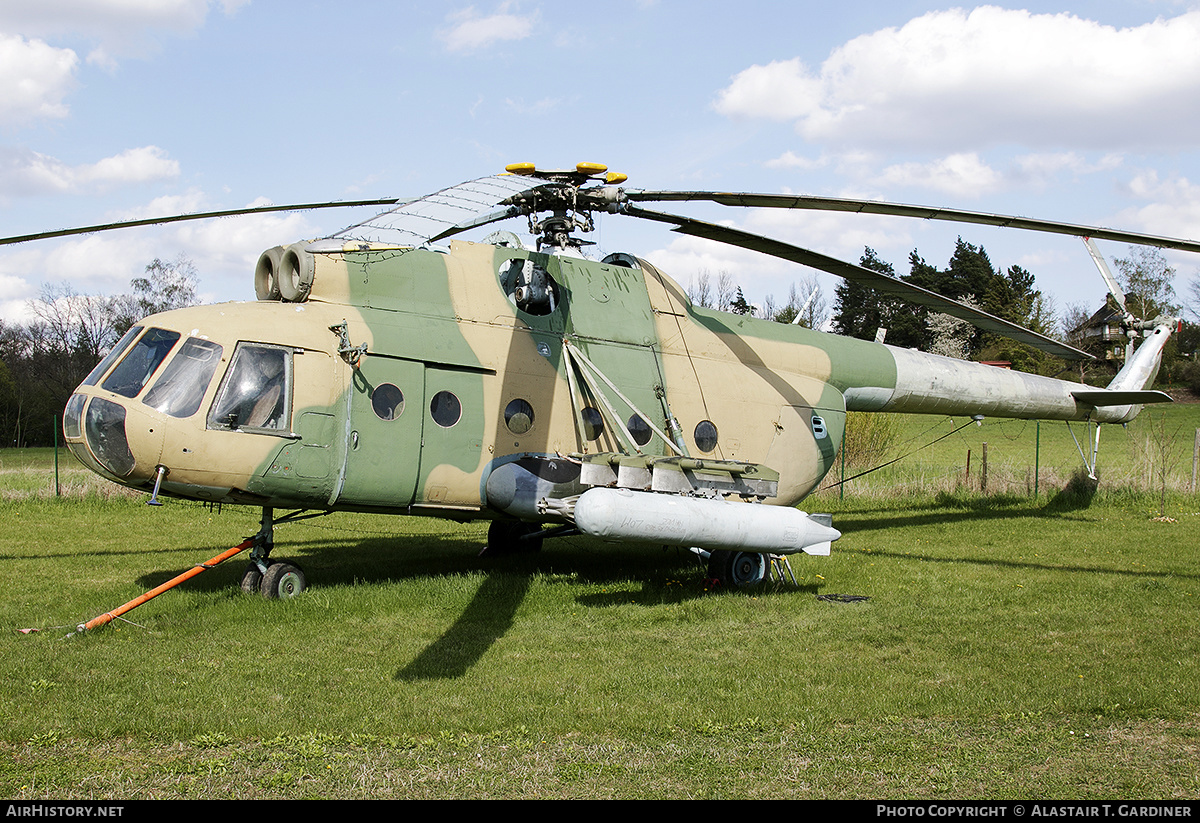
<point>593,423</point>
<point>445,409</point>
<point>639,429</point>
<point>518,416</point>
<point>705,436</point>
<point>387,401</point>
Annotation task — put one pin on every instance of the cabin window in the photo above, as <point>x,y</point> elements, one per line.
<point>387,401</point>
<point>134,371</point>
<point>185,379</point>
<point>518,416</point>
<point>705,436</point>
<point>593,423</point>
<point>445,409</point>
<point>256,393</point>
<point>639,429</point>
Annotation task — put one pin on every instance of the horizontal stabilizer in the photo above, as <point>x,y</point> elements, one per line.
<point>1108,397</point>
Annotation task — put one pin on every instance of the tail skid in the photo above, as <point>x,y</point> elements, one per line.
<point>1128,388</point>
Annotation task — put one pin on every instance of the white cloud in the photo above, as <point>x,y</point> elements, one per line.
<point>1173,209</point>
<point>956,79</point>
<point>119,27</point>
<point>1040,166</point>
<point>224,252</point>
<point>25,172</point>
<point>963,175</point>
<point>34,80</point>
<point>470,32</point>
<point>791,160</point>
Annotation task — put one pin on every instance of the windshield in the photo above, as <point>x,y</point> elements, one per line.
<point>112,356</point>
<point>134,370</point>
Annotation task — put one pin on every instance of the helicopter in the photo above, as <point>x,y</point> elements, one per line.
<point>394,368</point>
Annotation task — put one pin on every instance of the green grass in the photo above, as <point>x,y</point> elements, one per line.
<point>1010,647</point>
<point>935,454</point>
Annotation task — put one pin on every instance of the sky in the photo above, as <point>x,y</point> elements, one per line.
<point>124,109</point>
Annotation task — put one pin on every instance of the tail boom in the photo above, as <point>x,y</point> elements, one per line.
<point>932,384</point>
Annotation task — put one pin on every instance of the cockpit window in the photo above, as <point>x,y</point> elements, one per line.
<point>256,393</point>
<point>185,379</point>
<point>112,356</point>
<point>134,370</point>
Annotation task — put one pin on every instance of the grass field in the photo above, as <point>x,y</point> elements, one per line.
<point>1009,647</point>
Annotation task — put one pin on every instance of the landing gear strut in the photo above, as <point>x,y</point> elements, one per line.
<point>273,579</point>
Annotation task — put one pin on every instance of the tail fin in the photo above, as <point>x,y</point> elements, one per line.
<point>1141,369</point>
<point>1128,388</point>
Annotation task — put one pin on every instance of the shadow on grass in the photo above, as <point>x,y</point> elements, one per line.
<point>634,574</point>
<point>486,619</point>
<point>948,508</point>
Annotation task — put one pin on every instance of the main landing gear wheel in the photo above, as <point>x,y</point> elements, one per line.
<point>737,569</point>
<point>281,581</point>
<point>512,537</point>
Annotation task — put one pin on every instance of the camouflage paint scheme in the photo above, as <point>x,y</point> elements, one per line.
<point>435,321</point>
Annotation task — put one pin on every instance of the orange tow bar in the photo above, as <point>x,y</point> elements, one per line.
<point>108,617</point>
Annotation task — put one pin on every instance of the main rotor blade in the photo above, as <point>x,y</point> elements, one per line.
<point>792,201</point>
<point>206,215</point>
<point>1114,288</point>
<point>438,215</point>
<point>865,276</point>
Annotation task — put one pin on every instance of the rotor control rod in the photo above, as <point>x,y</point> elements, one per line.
<point>108,617</point>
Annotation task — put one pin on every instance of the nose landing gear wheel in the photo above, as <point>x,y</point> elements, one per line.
<point>281,581</point>
<point>252,579</point>
<point>737,569</point>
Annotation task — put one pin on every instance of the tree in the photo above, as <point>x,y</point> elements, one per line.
<point>739,305</point>
<point>858,310</point>
<point>1148,282</point>
<point>805,307</point>
<point>166,286</point>
<point>726,288</point>
<point>42,361</point>
<point>700,291</point>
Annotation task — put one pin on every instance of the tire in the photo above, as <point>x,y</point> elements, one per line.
<point>737,569</point>
<point>282,581</point>
<point>252,579</point>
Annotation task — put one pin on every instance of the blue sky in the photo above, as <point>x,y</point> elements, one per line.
<point>116,109</point>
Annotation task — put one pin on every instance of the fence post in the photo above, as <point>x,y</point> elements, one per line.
<point>57,487</point>
<point>1195,459</point>
<point>1037,454</point>
<point>983,472</point>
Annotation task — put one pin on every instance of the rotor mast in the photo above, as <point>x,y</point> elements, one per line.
<point>570,207</point>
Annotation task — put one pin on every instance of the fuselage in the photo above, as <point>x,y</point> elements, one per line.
<point>409,380</point>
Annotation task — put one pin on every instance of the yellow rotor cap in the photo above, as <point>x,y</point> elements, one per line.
<point>591,168</point>
<point>520,168</point>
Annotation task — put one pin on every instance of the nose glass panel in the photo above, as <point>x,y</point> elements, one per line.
<point>104,427</point>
